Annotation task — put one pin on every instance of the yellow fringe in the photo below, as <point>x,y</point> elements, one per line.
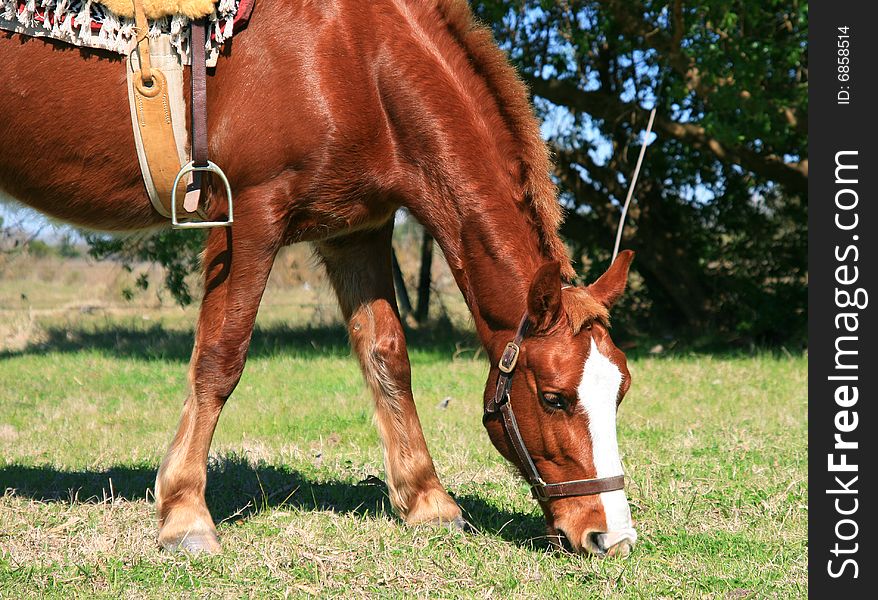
<point>194,9</point>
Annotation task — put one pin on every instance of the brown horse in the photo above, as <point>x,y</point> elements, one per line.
<point>328,116</point>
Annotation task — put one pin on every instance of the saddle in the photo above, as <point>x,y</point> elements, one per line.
<point>158,37</point>
<point>156,9</point>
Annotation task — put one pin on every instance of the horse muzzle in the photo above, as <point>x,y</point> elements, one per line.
<point>610,543</point>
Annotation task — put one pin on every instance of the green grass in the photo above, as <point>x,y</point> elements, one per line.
<point>715,447</point>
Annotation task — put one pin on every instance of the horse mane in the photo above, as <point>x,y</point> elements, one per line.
<point>582,308</point>
<point>511,98</point>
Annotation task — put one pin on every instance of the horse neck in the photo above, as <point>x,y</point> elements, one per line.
<point>486,233</point>
<point>493,254</point>
<point>463,167</point>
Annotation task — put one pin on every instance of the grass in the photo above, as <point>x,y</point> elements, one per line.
<point>715,447</point>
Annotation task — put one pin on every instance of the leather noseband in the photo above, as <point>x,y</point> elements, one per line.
<point>539,488</point>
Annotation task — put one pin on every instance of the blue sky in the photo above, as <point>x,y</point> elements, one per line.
<point>31,222</point>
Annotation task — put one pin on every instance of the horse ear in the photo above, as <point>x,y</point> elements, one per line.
<point>544,296</point>
<point>610,286</point>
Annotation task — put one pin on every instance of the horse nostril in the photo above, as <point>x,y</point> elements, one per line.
<point>595,542</point>
<point>614,543</point>
<point>609,543</point>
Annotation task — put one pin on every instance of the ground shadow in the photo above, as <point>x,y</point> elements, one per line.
<point>157,342</point>
<point>237,489</point>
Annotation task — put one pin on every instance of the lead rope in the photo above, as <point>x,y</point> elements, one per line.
<point>631,186</point>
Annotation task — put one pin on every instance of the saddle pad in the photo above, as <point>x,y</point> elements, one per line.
<point>86,23</point>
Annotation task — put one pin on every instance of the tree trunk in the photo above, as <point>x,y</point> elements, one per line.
<point>664,257</point>
<point>425,278</point>
<point>402,294</point>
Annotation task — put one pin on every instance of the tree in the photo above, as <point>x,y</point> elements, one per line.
<point>415,316</point>
<point>720,212</point>
<point>719,221</point>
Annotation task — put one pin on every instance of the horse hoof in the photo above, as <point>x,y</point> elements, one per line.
<point>458,523</point>
<point>462,524</point>
<point>194,543</point>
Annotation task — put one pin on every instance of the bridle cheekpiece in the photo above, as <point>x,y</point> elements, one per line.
<point>541,490</point>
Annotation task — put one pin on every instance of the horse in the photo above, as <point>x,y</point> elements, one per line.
<point>327,117</point>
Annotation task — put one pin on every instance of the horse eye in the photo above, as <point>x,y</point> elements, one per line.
<point>553,400</point>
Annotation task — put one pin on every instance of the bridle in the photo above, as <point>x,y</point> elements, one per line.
<point>539,488</point>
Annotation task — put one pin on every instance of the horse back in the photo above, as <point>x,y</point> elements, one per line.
<point>295,120</point>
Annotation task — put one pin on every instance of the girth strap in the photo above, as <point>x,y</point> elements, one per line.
<point>142,28</point>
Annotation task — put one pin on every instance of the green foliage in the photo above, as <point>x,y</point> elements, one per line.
<point>39,249</point>
<point>177,251</point>
<point>720,213</point>
<point>67,248</point>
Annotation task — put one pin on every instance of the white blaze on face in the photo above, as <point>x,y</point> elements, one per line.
<point>598,391</point>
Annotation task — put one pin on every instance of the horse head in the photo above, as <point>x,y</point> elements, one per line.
<point>569,378</point>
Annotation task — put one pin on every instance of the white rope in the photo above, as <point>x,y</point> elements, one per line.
<point>631,185</point>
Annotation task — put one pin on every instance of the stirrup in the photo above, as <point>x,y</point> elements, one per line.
<point>190,168</point>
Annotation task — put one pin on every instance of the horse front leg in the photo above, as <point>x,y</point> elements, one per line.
<point>359,268</point>
<point>237,262</point>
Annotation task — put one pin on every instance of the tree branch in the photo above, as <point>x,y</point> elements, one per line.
<point>600,104</point>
